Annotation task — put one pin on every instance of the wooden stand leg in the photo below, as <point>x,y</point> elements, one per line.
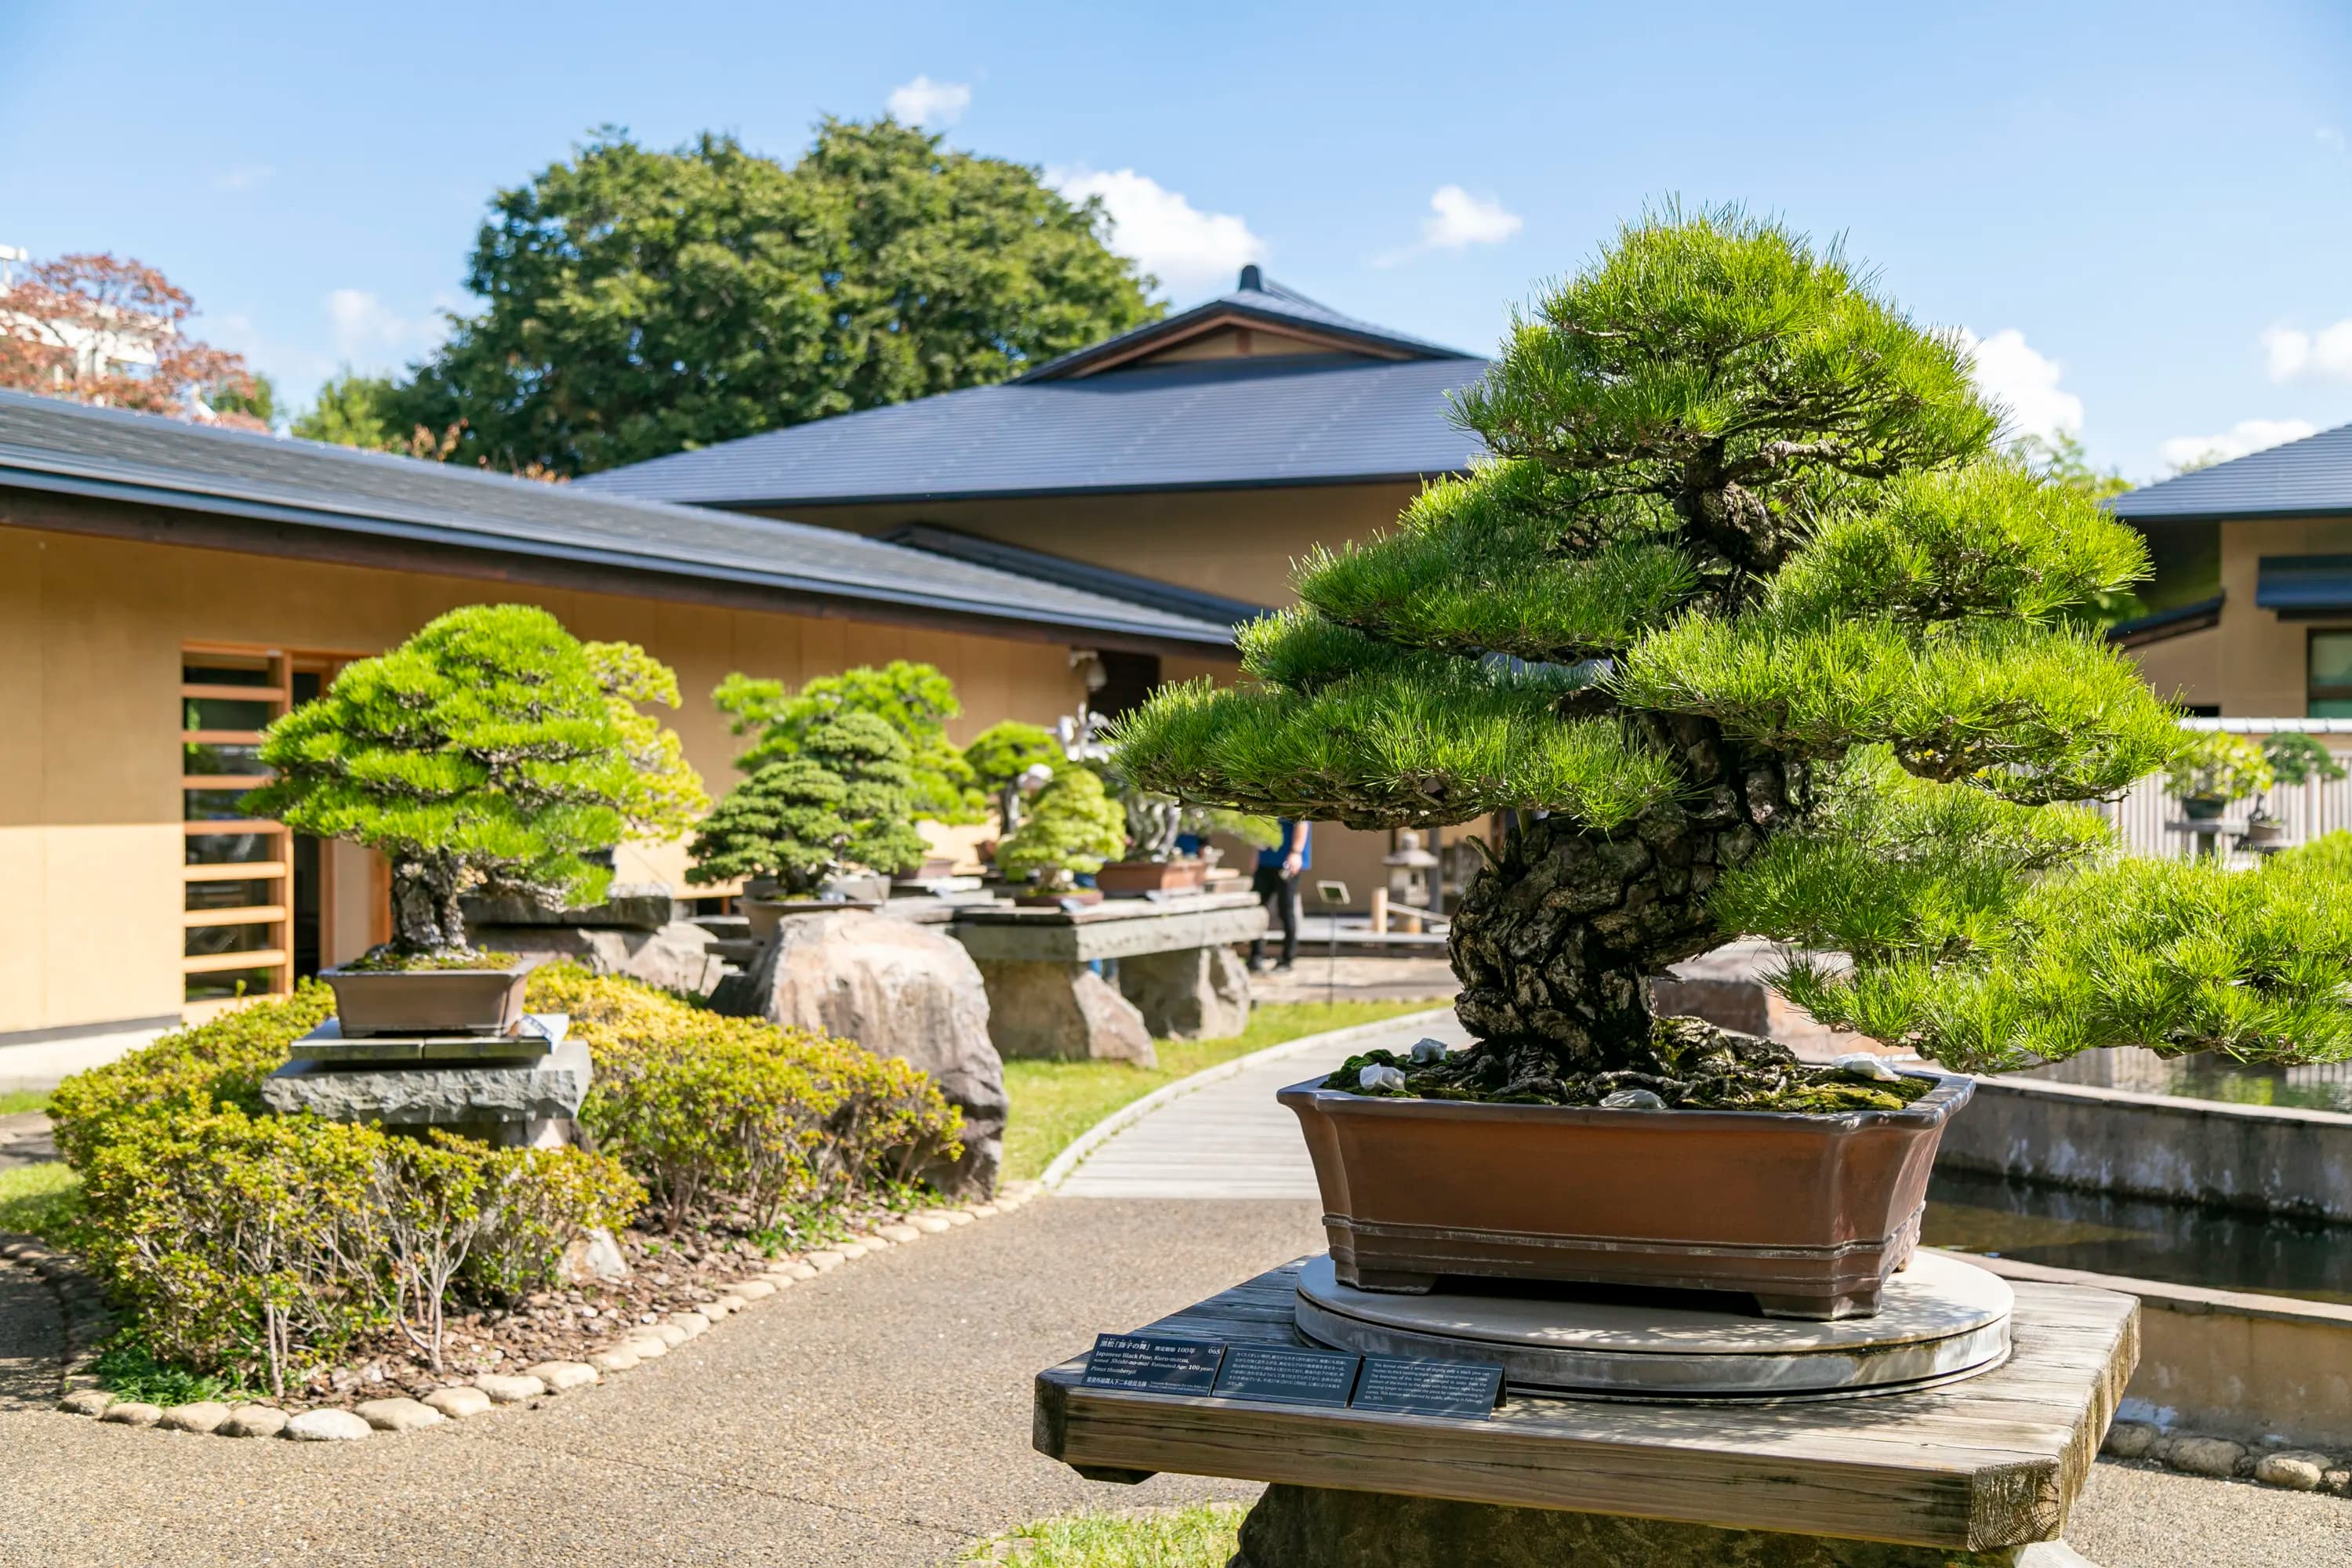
<point>1318,1527</point>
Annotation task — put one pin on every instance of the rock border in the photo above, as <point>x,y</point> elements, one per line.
<point>2223,1459</point>
<point>87,1319</point>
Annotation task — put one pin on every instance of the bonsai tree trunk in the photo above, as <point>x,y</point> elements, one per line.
<point>1557,936</point>
<point>424,913</point>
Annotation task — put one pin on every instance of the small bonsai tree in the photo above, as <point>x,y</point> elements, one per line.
<point>914,700</point>
<point>784,821</point>
<point>1747,628</point>
<point>2213,770</point>
<point>492,750</point>
<point>1072,829</point>
<point>1001,756</point>
<point>879,788</point>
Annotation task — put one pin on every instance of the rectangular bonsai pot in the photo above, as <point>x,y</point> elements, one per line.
<point>1130,877</point>
<point>1808,1213</point>
<point>427,1000</point>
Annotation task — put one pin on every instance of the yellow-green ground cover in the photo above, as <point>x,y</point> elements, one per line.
<point>1052,1103</point>
<point>1199,1536</point>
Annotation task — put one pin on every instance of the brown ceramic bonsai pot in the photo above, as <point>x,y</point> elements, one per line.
<point>1808,1213</point>
<point>427,1000</point>
<point>1133,877</point>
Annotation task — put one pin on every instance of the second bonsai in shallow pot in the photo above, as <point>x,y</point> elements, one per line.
<point>1751,630</point>
<point>797,826</point>
<point>1072,828</point>
<point>494,753</point>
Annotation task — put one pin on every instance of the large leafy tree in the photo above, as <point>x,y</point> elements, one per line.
<point>637,303</point>
<point>97,328</point>
<point>1748,628</point>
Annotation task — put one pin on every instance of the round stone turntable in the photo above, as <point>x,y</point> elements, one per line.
<point>1939,1321</point>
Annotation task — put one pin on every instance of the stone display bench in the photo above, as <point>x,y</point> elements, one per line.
<point>1969,1475</point>
<point>1177,973</point>
<point>523,1089</point>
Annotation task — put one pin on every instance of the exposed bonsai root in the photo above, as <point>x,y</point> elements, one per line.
<point>1688,1063</point>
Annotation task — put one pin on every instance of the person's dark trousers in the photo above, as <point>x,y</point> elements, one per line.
<point>1280,895</point>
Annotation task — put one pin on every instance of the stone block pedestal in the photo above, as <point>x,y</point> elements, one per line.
<point>510,1092</point>
<point>1322,1527</point>
<point>1191,993</point>
<point>1062,1011</point>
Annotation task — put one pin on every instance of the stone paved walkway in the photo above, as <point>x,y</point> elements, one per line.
<point>1232,1138</point>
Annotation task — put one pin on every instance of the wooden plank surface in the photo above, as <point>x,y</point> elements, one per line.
<point>1996,1460</point>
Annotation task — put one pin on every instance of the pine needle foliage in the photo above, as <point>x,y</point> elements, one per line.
<point>784,822</point>
<point>489,751</point>
<point>1072,829</point>
<point>914,699</point>
<point>1752,628</point>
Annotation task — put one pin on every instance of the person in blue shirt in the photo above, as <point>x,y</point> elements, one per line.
<point>1276,882</point>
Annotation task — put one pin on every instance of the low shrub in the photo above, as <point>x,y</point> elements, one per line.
<point>203,1068</point>
<point>262,1245</point>
<point>718,1114</point>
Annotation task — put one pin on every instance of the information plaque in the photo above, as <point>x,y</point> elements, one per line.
<point>1414,1387</point>
<point>1146,1365</point>
<point>1282,1375</point>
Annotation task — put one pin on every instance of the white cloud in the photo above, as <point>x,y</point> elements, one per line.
<point>932,105</point>
<point>1186,248</point>
<point>2333,140</point>
<point>242,179</point>
<point>2294,353</point>
<point>2246,436</point>
<point>1459,220</point>
<point>367,333</point>
<point>2010,372</point>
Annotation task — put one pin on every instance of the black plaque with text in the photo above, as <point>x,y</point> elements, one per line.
<point>1416,1387</point>
<point>1283,1375</point>
<point>1146,1364</point>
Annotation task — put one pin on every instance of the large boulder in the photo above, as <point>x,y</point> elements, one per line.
<point>899,990</point>
<point>678,956</point>
<point>1062,1011</point>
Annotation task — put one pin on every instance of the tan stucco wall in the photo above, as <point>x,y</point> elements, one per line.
<point>1239,543</point>
<point>2252,664</point>
<point>90,632</point>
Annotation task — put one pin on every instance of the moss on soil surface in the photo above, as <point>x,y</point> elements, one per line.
<point>1204,1535</point>
<point>1052,1103</point>
<point>422,962</point>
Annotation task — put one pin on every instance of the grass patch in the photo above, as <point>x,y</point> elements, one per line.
<point>39,1200</point>
<point>127,1368</point>
<point>17,1101</point>
<point>1204,1535</point>
<point>1052,1103</point>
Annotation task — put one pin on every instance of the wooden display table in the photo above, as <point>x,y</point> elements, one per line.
<point>1969,1473</point>
<point>1177,974</point>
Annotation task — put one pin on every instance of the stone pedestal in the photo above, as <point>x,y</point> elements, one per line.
<point>1062,1011</point>
<point>516,1092</point>
<point>1322,1527</point>
<point>1191,993</point>
<point>1174,962</point>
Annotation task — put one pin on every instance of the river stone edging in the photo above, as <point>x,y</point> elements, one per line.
<point>87,1321</point>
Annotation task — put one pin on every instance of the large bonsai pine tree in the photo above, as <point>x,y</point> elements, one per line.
<point>492,751</point>
<point>1749,628</point>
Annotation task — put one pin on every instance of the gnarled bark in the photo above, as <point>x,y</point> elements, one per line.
<point>1555,940</point>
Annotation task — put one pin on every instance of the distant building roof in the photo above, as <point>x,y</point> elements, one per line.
<point>2309,478</point>
<point>1253,300</point>
<point>1334,401</point>
<point>299,492</point>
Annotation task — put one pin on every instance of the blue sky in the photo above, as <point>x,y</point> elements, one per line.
<point>2155,199</point>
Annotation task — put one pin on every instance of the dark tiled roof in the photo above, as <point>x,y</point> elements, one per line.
<point>61,448</point>
<point>1107,581</point>
<point>2312,477</point>
<point>1256,298</point>
<point>1195,424</point>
